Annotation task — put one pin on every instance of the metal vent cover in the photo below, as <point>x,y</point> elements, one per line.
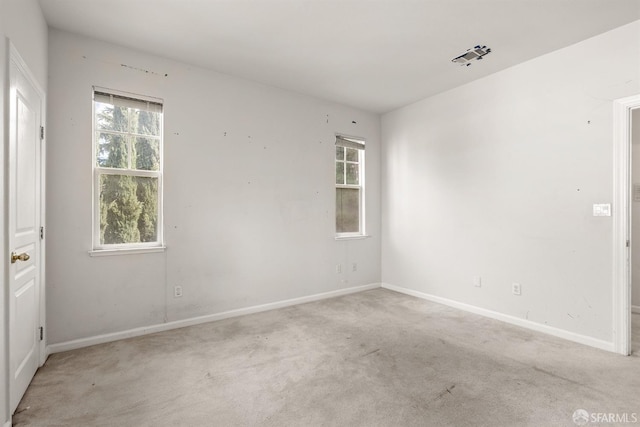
<point>475,53</point>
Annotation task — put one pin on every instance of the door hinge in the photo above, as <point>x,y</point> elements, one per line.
<point>41,333</point>
<point>41,233</point>
<point>41,132</point>
<point>628,243</point>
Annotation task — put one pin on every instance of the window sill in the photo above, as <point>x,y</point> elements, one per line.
<point>354,237</point>
<point>126,251</point>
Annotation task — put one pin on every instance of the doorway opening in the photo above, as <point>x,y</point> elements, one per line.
<point>635,230</point>
<point>623,196</point>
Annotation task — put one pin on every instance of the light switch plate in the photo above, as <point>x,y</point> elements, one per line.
<point>602,209</point>
<point>477,281</point>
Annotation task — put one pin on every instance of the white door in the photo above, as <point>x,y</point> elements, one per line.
<point>25,112</point>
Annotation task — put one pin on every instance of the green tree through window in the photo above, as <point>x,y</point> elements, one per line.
<point>127,165</point>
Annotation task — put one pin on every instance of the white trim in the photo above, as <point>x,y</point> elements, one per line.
<point>16,58</point>
<point>5,401</point>
<point>561,333</point>
<point>127,172</point>
<point>126,251</point>
<point>621,223</point>
<point>43,222</point>
<point>635,309</point>
<point>354,237</point>
<point>145,330</point>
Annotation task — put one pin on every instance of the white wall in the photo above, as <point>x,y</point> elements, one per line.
<point>249,196</point>
<point>497,179</point>
<point>24,24</point>
<point>21,22</point>
<point>635,216</point>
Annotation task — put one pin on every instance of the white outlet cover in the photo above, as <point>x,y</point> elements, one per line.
<point>516,289</point>
<point>602,209</point>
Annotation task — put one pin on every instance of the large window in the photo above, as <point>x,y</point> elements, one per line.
<point>127,165</point>
<point>349,186</point>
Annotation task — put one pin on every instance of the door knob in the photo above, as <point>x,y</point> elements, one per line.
<point>19,257</point>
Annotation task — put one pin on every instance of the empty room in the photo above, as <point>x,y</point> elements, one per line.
<point>320,212</point>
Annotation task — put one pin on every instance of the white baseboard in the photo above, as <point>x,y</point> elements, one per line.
<point>7,424</point>
<point>561,333</point>
<point>115,336</point>
<point>635,309</point>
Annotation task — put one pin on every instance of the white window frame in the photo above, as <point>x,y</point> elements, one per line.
<point>359,144</point>
<point>139,247</point>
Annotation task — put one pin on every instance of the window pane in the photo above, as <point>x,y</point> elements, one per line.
<point>145,122</point>
<point>339,153</point>
<point>147,192</point>
<point>339,173</point>
<point>110,117</point>
<point>111,151</point>
<point>352,155</point>
<point>146,154</point>
<point>352,174</point>
<point>128,209</point>
<point>347,210</point>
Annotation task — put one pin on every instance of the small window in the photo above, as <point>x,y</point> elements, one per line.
<point>127,166</point>
<point>349,165</point>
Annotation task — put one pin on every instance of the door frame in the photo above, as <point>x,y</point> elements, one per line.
<point>622,222</point>
<point>15,57</point>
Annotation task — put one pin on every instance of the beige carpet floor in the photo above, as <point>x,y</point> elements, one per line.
<point>376,358</point>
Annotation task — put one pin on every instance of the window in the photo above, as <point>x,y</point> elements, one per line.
<point>127,166</point>
<point>349,186</point>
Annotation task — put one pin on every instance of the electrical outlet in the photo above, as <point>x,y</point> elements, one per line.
<point>177,291</point>
<point>339,268</point>
<point>516,289</point>
<point>477,281</point>
<point>354,266</point>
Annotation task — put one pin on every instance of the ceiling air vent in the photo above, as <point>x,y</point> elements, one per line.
<point>475,53</point>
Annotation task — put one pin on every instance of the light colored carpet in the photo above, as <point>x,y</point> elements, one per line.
<point>377,358</point>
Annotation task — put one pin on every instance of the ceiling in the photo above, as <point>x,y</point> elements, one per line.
<point>376,55</point>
